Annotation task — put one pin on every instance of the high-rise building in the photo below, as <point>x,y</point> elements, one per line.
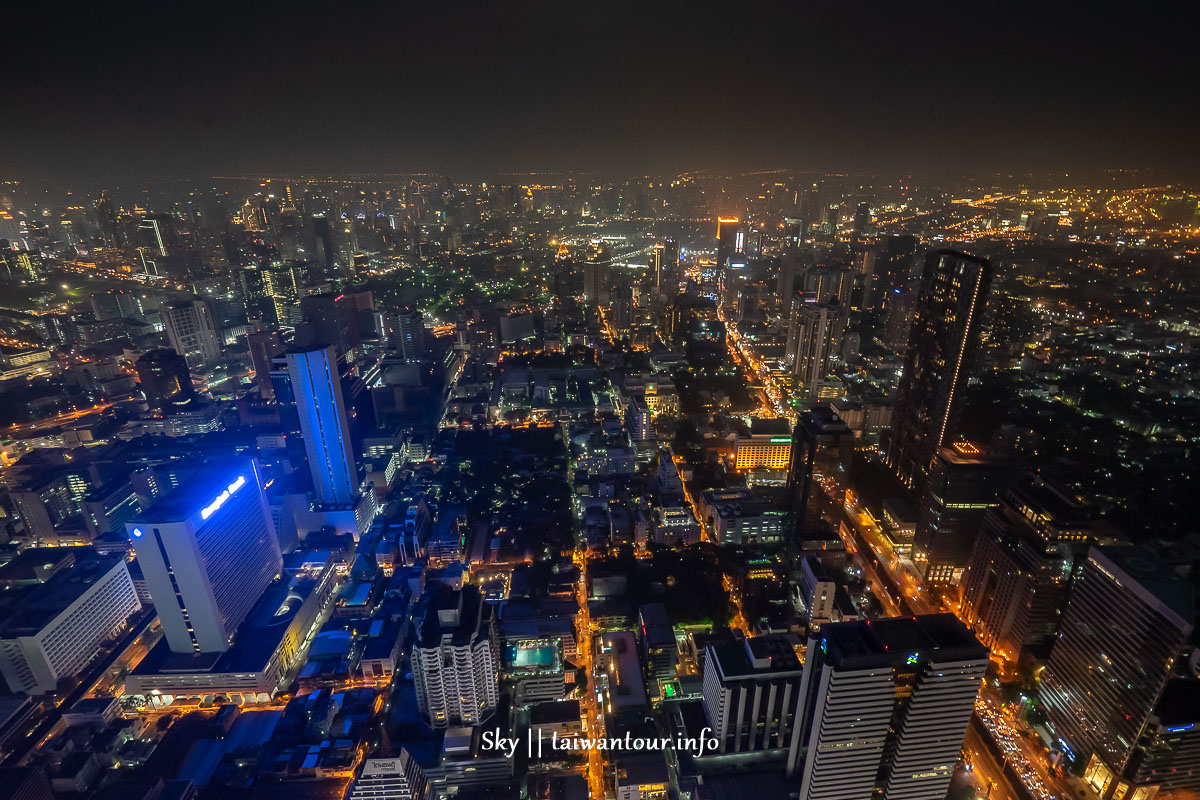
<point>1015,586</point>
<point>822,447</point>
<point>964,482</point>
<point>944,340</point>
<point>164,377</point>
<point>208,551</point>
<point>884,707</point>
<point>814,333</point>
<point>456,658</point>
<point>192,332</point>
<point>321,408</point>
<point>1124,629</point>
<point>1168,755</point>
<point>750,692</point>
<point>410,334</point>
<point>264,346</point>
<point>731,240</point>
<point>399,778</point>
<point>53,630</point>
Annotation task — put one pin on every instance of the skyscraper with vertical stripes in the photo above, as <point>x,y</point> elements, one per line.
<point>884,707</point>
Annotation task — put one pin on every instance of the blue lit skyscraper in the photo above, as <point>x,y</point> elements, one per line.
<point>208,551</point>
<point>324,423</point>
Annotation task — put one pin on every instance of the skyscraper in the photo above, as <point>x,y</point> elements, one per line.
<point>410,334</point>
<point>731,240</point>
<point>208,551</point>
<point>1015,586</point>
<point>884,706</point>
<point>1124,628</point>
<point>750,692</point>
<point>814,332</point>
<point>964,482</point>
<point>192,332</point>
<point>944,339</point>
<point>456,658</point>
<point>317,388</point>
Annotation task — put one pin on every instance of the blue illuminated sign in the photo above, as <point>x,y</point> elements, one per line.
<point>912,658</point>
<point>220,499</point>
<point>1181,728</point>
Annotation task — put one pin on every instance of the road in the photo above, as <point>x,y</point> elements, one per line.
<point>592,721</point>
<point>87,679</point>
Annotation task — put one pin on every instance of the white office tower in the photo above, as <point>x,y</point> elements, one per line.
<point>208,551</point>
<point>324,423</point>
<point>456,658</point>
<point>750,691</point>
<point>884,706</point>
<point>399,778</point>
<point>192,332</point>
<point>53,630</point>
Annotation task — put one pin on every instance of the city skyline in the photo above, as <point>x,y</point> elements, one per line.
<point>487,401</point>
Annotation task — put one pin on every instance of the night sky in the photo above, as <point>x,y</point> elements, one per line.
<point>112,90</point>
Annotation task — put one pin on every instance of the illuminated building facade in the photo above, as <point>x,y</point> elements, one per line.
<point>1124,628</point>
<point>768,446</point>
<point>208,551</point>
<point>884,707</point>
<point>964,482</point>
<point>324,424</point>
<point>941,348</point>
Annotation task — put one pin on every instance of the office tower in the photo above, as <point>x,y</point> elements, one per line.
<point>455,659</point>
<point>192,332</point>
<point>164,377</point>
<point>323,242</point>
<point>964,482</point>
<point>899,307</point>
<point>595,281</point>
<point>208,551</point>
<point>1015,586</point>
<point>944,339</point>
<point>656,641</point>
<point>638,419</point>
<point>884,707</point>
<point>895,264</point>
<point>1124,628</point>
<point>665,263</point>
<point>814,333</point>
<point>321,407</point>
<point>750,691</point>
<point>264,346</point>
<point>862,218</point>
<point>866,262</point>
<point>281,289</point>
<point>821,452</point>
<point>410,334</point>
<point>55,629</point>
<point>110,228</point>
<point>1168,755</point>
<point>827,284</point>
<point>819,591</point>
<point>731,240</point>
<point>399,778</point>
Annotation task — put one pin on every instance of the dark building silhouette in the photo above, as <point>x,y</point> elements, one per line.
<point>941,347</point>
<point>164,377</point>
